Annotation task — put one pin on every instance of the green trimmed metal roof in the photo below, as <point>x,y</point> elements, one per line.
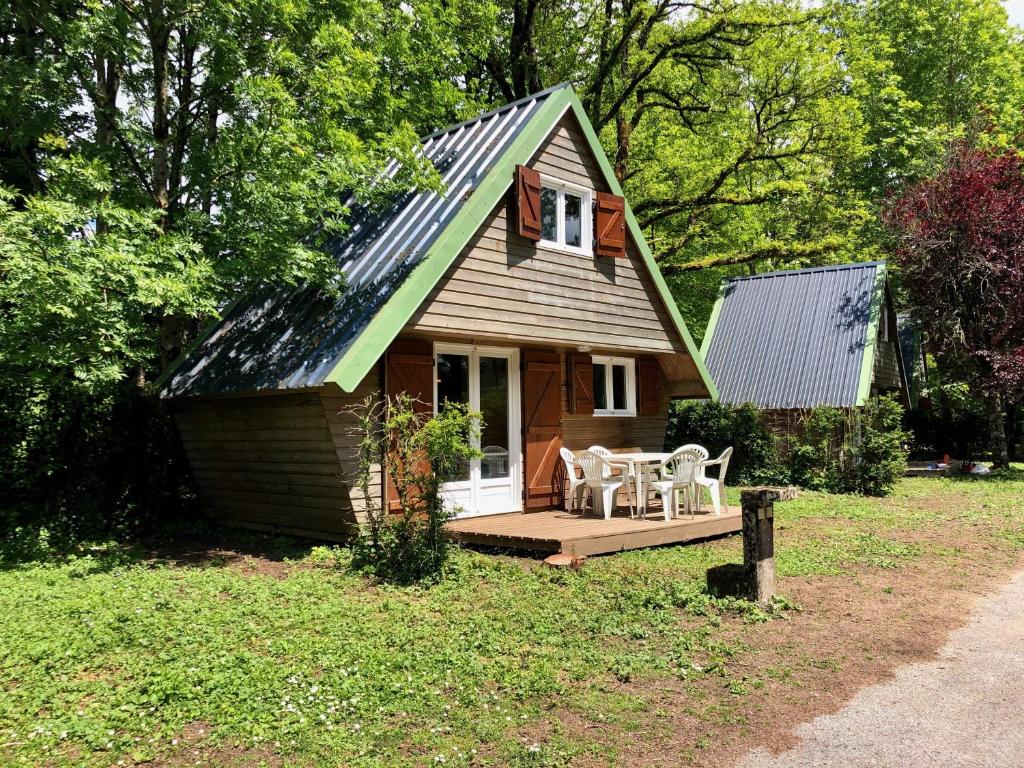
<point>797,338</point>
<point>391,260</point>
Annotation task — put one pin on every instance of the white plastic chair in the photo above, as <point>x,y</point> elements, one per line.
<point>665,472</point>
<point>715,486</point>
<point>616,467</point>
<point>575,487</point>
<point>604,453</point>
<point>602,486</point>
<point>678,472</point>
<point>496,458</point>
<point>700,450</point>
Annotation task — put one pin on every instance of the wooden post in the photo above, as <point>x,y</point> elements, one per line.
<point>759,539</point>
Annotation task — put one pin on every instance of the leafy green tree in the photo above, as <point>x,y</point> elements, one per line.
<point>725,121</point>
<point>926,72</point>
<point>160,158</point>
<point>236,129</point>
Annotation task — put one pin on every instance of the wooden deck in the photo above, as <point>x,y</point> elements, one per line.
<point>558,531</point>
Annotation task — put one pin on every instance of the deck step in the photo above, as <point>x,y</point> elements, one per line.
<point>558,531</point>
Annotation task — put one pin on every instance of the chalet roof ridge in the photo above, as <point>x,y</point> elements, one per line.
<point>496,111</point>
<point>807,270</point>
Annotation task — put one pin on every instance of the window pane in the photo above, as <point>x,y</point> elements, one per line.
<point>494,409</point>
<point>452,379</point>
<point>548,213</point>
<point>453,387</point>
<point>600,395</point>
<point>619,387</point>
<point>573,219</point>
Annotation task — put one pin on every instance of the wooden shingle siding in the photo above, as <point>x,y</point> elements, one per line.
<point>505,287</point>
<point>278,462</point>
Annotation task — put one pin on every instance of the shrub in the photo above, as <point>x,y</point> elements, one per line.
<point>818,456</point>
<point>419,452</point>
<point>716,427</point>
<point>87,464</point>
<point>880,455</point>
<point>842,451</point>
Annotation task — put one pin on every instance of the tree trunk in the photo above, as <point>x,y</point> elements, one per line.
<point>523,50</point>
<point>159,41</point>
<point>997,425</point>
<point>1012,431</point>
<point>623,127</point>
<point>108,84</point>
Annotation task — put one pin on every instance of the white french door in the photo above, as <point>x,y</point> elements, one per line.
<point>487,379</point>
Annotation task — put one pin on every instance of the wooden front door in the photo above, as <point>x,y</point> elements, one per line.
<point>542,422</point>
<point>410,370</point>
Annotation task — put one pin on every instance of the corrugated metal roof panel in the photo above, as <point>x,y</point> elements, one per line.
<point>793,339</point>
<point>293,338</point>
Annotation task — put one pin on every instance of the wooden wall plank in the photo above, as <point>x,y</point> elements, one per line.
<point>268,462</point>
<point>342,426</point>
<point>505,287</point>
<point>580,431</point>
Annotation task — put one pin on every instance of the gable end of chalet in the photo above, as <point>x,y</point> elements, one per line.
<point>551,286</point>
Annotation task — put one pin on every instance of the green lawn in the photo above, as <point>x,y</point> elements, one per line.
<point>108,655</point>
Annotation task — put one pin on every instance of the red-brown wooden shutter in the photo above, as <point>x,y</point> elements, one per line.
<point>649,389</point>
<point>542,418</point>
<point>528,202</point>
<point>410,369</point>
<point>581,383</point>
<point>611,225</point>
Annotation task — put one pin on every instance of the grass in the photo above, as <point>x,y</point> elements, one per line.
<point>110,655</point>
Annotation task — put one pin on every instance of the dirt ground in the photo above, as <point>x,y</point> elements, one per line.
<point>852,631</point>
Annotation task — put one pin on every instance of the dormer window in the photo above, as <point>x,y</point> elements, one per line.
<point>565,214</point>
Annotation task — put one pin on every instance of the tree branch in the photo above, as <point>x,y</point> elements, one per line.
<point>772,250</point>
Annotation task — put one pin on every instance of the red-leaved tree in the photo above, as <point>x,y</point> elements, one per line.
<point>960,254</point>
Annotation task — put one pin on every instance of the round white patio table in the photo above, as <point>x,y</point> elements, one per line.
<point>636,464</point>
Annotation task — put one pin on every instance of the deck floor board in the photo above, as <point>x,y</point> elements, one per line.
<point>556,530</point>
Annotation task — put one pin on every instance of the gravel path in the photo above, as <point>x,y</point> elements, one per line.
<point>965,710</point>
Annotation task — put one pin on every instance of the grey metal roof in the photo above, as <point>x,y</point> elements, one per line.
<point>293,338</point>
<point>793,339</point>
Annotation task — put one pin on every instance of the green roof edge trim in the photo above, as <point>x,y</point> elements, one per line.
<point>716,311</point>
<point>208,329</point>
<point>392,317</point>
<point>867,363</point>
<point>641,244</point>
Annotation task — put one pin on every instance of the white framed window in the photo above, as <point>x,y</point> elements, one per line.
<point>565,216</point>
<point>614,386</point>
